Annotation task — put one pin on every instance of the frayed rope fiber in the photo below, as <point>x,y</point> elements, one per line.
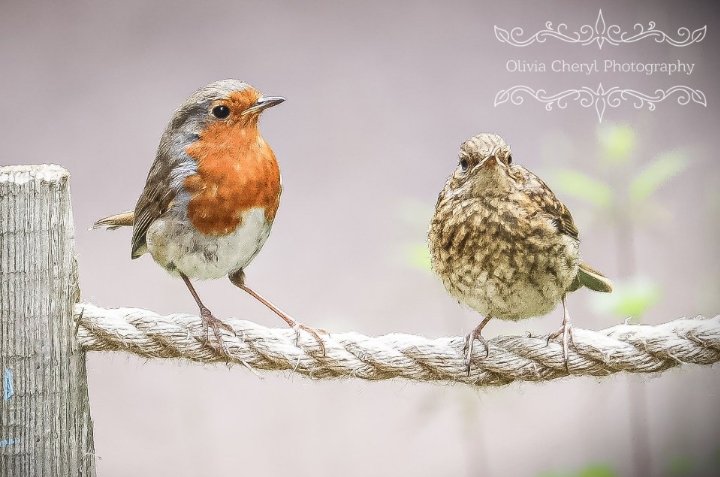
<point>629,348</point>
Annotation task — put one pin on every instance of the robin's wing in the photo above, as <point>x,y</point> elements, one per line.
<point>593,279</point>
<point>563,219</point>
<point>546,201</point>
<point>154,201</point>
<point>541,194</point>
<point>124,219</point>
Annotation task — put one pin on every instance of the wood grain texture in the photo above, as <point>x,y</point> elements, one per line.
<point>45,424</point>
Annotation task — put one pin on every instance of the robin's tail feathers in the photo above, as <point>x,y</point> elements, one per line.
<point>126,219</point>
<point>593,279</point>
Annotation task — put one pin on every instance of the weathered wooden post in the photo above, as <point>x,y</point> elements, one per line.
<point>45,425</point>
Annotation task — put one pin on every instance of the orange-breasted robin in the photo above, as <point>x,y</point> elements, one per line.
<point>503,244</point>
<point>211,195</point>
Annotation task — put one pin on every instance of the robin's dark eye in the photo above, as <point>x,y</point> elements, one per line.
<point>509,158</point>
<point>221,112</point>
<point>463,164</point>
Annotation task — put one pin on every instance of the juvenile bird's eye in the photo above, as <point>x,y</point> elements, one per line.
<point>221,112</point>
<point>463,164</point>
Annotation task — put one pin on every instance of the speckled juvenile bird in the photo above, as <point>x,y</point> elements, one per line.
<point>503,244</point>
<point>211,195</point>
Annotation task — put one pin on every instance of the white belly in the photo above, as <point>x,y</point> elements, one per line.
<point>178,247</point>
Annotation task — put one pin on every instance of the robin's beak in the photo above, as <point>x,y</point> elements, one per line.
<point>492,161</point>
<point>263,103</point>
<point>489,162</point>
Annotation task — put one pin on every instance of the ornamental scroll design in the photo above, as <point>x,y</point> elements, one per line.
<point>600,33</point>
<point>600,98</point>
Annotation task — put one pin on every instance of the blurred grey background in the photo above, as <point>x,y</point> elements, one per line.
<point>380,96</point>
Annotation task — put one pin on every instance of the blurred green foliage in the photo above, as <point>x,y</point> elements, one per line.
<point>617,143</point>
<point>680,465</point>
<point>417,256</point>
<point>592,470</point>
<point>597,470</point>
<point>631,196</point>
<point>629,299</point>
<point>585,188</point>
<point>625,194</point>
<point>654,175</point>
<point>416,215</point>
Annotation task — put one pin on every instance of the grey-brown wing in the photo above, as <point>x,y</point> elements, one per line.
<point>153,202</point>
<point>541,194</point>
<point>563,219</point>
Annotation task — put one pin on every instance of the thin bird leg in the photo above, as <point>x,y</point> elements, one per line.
<point>470,339</point>
<point>209,321</point>
<point>566,332</point>
<point>238,279</point>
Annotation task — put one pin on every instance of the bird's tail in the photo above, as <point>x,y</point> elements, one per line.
<point>126,219</point>
<point>592,279</point>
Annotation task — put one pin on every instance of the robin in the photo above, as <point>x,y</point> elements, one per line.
<point>503,244</point>
<point>211,195</point>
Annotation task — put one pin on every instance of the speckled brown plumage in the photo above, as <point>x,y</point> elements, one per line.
<point>501,242</point>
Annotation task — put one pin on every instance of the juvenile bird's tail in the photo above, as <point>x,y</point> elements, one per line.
<point>126,219</point>
<point>592,279</point>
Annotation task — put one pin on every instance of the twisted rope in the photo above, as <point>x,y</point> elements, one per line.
<point>629,348</point>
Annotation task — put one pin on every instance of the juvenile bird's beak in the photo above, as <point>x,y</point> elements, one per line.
<point>492,161</point>
<point>488,162</point>
<point>263,103</point>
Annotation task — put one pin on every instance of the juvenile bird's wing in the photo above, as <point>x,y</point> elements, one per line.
<point>545,199</point>
<point>541,194</point>
<point>154,201</point>
<point>594,280</point>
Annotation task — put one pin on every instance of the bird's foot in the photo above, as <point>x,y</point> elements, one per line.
<point>238,279</point>
<point>468,348</point>
<point>567,337</point>
<point>299,326</point>
<point>211,323</point>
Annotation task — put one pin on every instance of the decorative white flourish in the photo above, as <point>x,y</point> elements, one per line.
<point>600,98</point>
<point>601,33</point>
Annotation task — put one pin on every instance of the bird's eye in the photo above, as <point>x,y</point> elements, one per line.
<point>463,164</point>
<point>221,112</point>
<point>509,159</point>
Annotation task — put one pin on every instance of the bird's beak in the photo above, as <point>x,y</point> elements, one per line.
<point>489,162</point>
<point>263,103</point>
<point>492,161</point>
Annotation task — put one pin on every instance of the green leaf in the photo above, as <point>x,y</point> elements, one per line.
<point>597,470</point>
<point>657,173</point>
<point>584,187</point>
<point>617,142</point>
<point>681,465</point>
<point>630,299</point>
<point>417,256</point>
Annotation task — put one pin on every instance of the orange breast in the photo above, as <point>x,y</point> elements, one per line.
<point>236,171</point>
